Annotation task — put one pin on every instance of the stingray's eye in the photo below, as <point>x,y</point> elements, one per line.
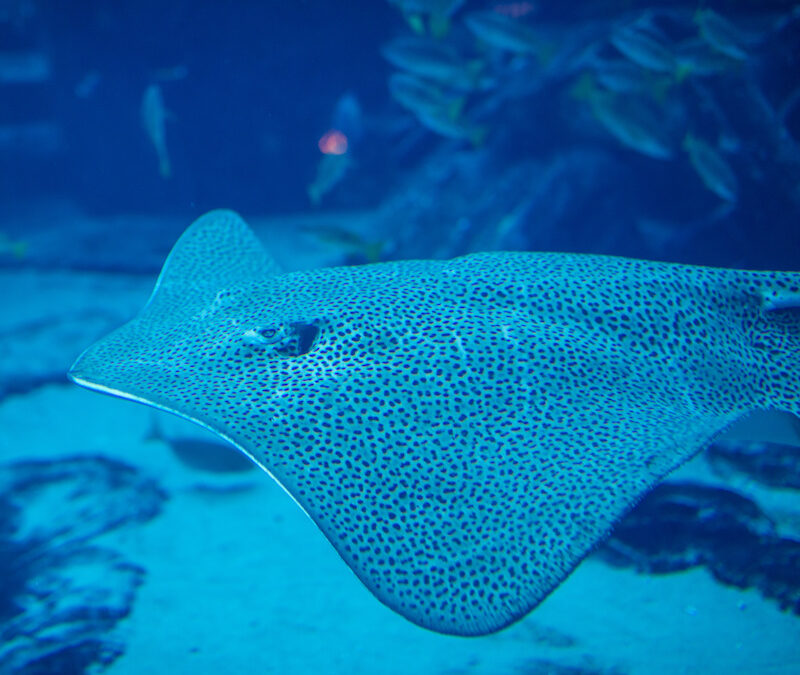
<point>294,339</point>
<point>268,334</point>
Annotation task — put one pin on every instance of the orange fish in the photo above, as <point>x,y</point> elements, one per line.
<point>333,142</point>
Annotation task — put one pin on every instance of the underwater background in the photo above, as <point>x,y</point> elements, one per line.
<point>352,133</point>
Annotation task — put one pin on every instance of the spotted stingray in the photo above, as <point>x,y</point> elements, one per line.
<point>463,432</point>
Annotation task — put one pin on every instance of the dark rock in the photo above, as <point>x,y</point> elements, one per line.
<point>61,595</point>
<point>774,569</point>
<point>677,526</point>
<point>773,464</point>
<point>682,525</point>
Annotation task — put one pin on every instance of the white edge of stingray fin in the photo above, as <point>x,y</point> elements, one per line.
<point>138,399</point>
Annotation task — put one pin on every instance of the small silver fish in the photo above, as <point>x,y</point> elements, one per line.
<point>698,59</point>
<point>504,32</point>
<point>713,170</point>
<point>619,76</point>
<point>644,49</point>
<point>721,34</point>
<point>624,77</point>
<point>437,11</point>
<point>435,61</point>
<point>154,117</point>
<point>634,126</point>
<point>627,118</point>
<point>443,124</point>
<point>420,96</point>
<point>330,172</point>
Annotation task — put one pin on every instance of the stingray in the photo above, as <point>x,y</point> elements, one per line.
<point>464,432</point>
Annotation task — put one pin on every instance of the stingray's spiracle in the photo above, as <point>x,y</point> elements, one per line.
<point>286,340</point>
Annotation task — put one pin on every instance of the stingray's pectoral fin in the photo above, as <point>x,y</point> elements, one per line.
<point>217,251</point>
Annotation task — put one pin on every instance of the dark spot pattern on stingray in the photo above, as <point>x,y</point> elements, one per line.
<point>463,432</point>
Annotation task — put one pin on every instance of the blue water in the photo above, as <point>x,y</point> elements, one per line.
<point>677,159</point>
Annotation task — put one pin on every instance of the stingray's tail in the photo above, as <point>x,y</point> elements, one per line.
<point>779,339</point>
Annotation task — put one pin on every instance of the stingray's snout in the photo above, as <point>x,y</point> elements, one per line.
<point>74,373</point>
<point>77,370</point>
<point>84,369</point>
<point>94,370</point>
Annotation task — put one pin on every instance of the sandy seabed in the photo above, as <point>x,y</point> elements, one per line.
<point>240,580</point>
